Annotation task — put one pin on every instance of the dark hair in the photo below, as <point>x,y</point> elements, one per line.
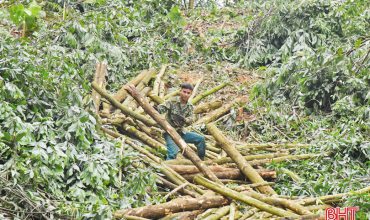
<point>186,86</point>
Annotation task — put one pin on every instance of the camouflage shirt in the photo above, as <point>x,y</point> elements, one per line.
<point>177,114</point>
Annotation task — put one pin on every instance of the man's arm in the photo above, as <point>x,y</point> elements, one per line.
<point>164,107</point>
<point>189,115</point>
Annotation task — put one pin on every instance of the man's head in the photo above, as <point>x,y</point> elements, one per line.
<point>185,92</point>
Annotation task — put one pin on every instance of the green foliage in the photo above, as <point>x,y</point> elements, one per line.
<point>20,15</point>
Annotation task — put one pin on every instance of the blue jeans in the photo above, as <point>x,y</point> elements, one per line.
<point>189,137</point>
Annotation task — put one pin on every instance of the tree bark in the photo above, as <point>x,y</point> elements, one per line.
<point>176,205</point>
<point>241,197</point>
<point>207,93</point>
<point>124,109</point>
<point>172,132</point>
<point>242,164</point>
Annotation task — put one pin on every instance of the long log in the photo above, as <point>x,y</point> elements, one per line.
<point>208,106</point>
<point>255,159</point>
<point>121,94</point>
<point>99,78</point>
<point>217,113</point>
<point>158,100</point>
<point>191,169</point>
<point>143,137</point>
<point>172,132</point>
<point>224,160</point>
<point>176,205</point>
<point>241,197</point>
<point>156,162</point>
<point>169,95</point>
<point>261,146</point>
<point>234,174</point>
<point>157,80</point>
<point>195,90</point>
<point>124,109</point>
<point>336,197</point>
<point>289,204</point>
<point>219,213</point>
<point>207,93</point>
<point>242,164</point>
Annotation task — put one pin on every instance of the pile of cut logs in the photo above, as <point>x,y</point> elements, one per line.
<point>231,183</point>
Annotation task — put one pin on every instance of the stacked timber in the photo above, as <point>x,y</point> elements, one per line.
<point>232,183</point>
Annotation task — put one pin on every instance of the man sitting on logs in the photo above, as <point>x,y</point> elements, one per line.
<point>179,113</point>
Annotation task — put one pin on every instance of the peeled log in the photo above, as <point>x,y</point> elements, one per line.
<point>242,198</point>
<point>122,93</point>
<point>234,174</point>
<point>176,205</point>
<point>206,107</point>
<point>124,109</point>
<point>289,204</point>
<point>99,78</point>
<point>207,93</point>
<point>172,132</point>
<point>217,113</point>
<point>189,169</point>
<point>242,164</point>
<point>143,137</point>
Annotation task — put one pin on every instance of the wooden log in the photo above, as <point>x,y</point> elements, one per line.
<point>191,169</point>
<point>336,197</point>
<point>216,113</point>
<point>189,215</point>
<point>142,136</point>
<point>219,213</point>
<point>130,217</point>
<point>248,213</point>
<point>224,160</point>
<point>156,162</point>
<point>162,181</point>
<point>158,78</point>
<point>162,89</point>
<point>292,175</point>
<point>242,164</point>
<point>208,106</point>
<point>158,100</point>
<point>261,146</point>
<point>172,132</point>
<point>195,90</point>
<point>289,204</point>
<point>99,78</point>
<point>169,95</point>
<point>176,205</point>
<point>207,93</point>
<point>232,211</point>
<point>241,197</point>
<point>121,94</point>
<point>234,174</point>
<point>124,109</point>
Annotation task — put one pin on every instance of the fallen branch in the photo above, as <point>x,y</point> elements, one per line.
<point>176,205</point>
<point>242,164</point>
